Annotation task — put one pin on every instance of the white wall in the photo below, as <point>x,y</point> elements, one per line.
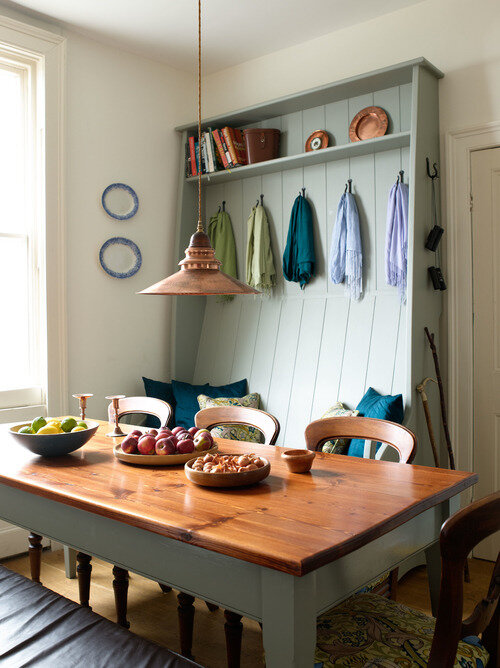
<point>121,110</point>
<point>458,36</point>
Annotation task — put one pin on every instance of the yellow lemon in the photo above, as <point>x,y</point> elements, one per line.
<point>48,429</point>
<point>54,423</point>
<point>78,429</point>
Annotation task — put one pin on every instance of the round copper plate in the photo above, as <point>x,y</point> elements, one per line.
<point>317,140</point>
<point>368,123</point>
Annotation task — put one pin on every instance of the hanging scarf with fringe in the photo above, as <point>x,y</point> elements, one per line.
<point>346,259</point>
<point>220,233</point>
<point>260,263</point>
<point>396,240</point>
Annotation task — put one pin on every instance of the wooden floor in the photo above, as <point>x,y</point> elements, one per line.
<point>153,614</point>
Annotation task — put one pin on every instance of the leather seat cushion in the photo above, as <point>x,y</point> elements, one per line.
<point>40,628</point>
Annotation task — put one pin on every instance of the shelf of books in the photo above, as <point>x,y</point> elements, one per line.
<point>223,155</point>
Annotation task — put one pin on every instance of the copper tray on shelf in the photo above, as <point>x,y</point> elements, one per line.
<point>368,123</point>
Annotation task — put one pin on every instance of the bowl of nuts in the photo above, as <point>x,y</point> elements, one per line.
<point>217,470</point>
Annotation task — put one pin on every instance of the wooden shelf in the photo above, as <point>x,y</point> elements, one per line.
<point>386,143</point>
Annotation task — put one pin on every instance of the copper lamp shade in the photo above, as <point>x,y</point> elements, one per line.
<point>200,274</point>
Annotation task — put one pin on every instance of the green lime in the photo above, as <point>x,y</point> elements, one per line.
<point>38,423</point>
<point>68,423</point>
<point>82,424</point>
<point>25,430</point>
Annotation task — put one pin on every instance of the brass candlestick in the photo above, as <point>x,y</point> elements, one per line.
<point>115,398</point>
<point>83,403</point>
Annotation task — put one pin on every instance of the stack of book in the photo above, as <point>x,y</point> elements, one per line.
<point>220,149</point>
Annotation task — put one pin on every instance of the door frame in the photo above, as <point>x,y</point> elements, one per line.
<point>459,145</point>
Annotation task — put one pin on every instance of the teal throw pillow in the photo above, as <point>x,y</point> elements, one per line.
<point>186,398</point>
<point>380,406</point>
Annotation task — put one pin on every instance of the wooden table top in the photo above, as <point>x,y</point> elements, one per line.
<point>289,522</point>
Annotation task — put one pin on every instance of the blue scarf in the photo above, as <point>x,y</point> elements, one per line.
<point>299,257</point>
<point>346,261</point>
<point>396,240</point>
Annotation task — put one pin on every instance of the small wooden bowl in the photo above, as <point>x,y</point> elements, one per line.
<point>226,479</point>
<point>298,461</point>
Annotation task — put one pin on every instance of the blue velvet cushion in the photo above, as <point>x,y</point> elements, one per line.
<point>381,406</point>
<point>186,398</point>
<point>159,390</point>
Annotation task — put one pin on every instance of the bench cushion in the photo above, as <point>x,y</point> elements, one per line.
<point>40,628</point>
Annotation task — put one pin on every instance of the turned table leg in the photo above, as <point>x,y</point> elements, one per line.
<point>165,588</point>
<point>83,571</point>
<point>211,606</point>
<point>120,586</point>
<point>185,611</point>
<point>233,629</point>
<point>35,552</point>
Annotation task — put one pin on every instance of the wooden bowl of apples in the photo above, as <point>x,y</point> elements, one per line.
<point>217,470</point>
<point>164,447</point>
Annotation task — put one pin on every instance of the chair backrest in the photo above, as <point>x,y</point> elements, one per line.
<point>143,405</point>
<point>388,433</point>
<point>267,424</point>
<point>463,531</point>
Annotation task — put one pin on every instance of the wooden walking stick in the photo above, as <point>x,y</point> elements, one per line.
<point>444,416</point>
<point>425,404</point>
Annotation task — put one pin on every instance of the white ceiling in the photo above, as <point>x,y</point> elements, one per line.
<point>234,30</point>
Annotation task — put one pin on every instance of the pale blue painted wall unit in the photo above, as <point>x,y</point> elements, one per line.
<point>305,350</point>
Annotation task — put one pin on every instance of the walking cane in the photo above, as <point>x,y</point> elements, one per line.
<point>425,404</point>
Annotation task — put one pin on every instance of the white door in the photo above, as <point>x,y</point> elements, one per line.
<point>485,172</point>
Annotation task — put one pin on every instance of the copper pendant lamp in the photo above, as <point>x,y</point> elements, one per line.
<point>199,272</point>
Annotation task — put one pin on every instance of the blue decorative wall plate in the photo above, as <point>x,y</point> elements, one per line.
<point>120,257</point>
<point>120,201</point>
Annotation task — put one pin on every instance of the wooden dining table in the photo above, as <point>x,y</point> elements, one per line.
<point>280,552</point>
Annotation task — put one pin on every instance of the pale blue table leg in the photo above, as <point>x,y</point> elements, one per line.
<point>69,562</point>
<point>289,619</point>
<point>433,559</point>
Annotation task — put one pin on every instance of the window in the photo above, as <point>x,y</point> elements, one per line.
<point>22,349</point>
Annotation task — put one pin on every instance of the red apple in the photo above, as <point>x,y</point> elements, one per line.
<point>193,431</point>
<point>181,435</point>
<point>203,441</point>
<point>146,445</point>
<point>176,430</point>
<point>185,446</point>
<point>136,432</point>
<point>165,446</point>
<point>129,444</point>
<point>165,430</point>
<point>152,432</point>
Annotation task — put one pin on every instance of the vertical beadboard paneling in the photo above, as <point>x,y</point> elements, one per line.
<point>405,93</point>
<point>284,360</point>
<point>291,134</point>
<point>388,100</point>
<point>265,348</point>
<point>312,119</point>
<point>304,376</point>
<point>337,122</point>
<point>229,317</point>
<point>358,103</point>
<point>357,348</point>
<point>383,344</point>
<point>400,360</point>
<point>331,355</point>
<point>245,338</point>
<point>208,342</point>
<point>315,185</point>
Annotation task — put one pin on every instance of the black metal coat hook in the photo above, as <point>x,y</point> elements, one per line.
<point>224,205</point>
<point>261,201</point>
<point>303,193</point>
<point>434,167</point>
<point>348,186</point>
<point>401,175</point>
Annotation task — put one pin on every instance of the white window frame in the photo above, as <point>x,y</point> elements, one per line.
<point>44,53</point>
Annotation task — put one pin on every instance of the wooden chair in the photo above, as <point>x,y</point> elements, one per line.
<point>390,434</point>
<point>267,424</point>
<point>384,628</point>
<point>142,406</point>
<point>128,406</point>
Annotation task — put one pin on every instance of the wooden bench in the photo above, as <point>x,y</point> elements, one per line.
<point>39,627</point>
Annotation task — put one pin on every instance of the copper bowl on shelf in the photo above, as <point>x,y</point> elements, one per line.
<point>298,461</point>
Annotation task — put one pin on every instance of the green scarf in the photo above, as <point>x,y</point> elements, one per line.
<point>220,233</point>
<point>260,263</point>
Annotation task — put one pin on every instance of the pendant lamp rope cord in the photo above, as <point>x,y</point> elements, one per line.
<point>200,224</point>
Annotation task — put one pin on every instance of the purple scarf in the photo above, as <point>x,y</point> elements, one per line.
<point>396,240</point>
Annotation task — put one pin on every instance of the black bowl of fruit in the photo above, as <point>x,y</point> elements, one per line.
<point>164,447</point>
<point>53,437</point>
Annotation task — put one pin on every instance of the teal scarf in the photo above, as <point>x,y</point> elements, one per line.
<point>299,257</point>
